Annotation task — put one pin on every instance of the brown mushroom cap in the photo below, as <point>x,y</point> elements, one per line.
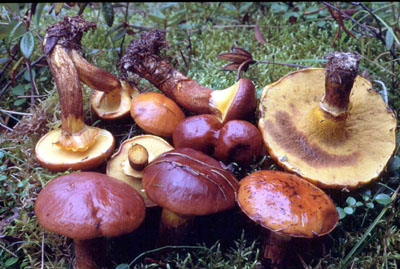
<point>298,136</point>
<point>87,205</point>
<point>189,183</point>
<point>55,158</point>
<point>236,140</point>
<point>239,141</point>
<point>236,102</point>
<point>287,204</point>
<point>118,166</point>
<point>156,113</point>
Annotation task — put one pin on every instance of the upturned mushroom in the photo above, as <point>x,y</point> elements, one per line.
<point>76,145</point>
<point>288,206</point>
<point>187,183</point>
<point>236,140</point>
<point>156,114</point>
<point>328,125</point>
<point>88,207</point>
<point>236,102</point>
<point>119,165</point>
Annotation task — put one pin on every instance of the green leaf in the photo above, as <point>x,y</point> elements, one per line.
<point>27,44</point>
<point>350,201</point>
<point>18,90</point>
<point>277,7</point>
<point>19,102</point>
<point>348,210</point>
<point>389,40</point>
<point>370,205</point>
<point>244,7</point>
<point>395,164</point>
<point>1,154</point>
<point>27,76</point>
<point>119,34</point>
<point>39,9</point>
<point>10,29</point>
<point>157,17</point>
<point>383,199</point>
<point>11,261</point>
<point>108,13</point>
<point>341,212</point>
<point>359,204</point>
<point>122,266</point>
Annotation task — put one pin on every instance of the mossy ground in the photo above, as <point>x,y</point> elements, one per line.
<point>229,239</point>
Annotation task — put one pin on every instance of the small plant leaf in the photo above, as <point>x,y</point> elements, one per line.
<point>233,57</point>
<point>108,13</point>
<point>27,44</point>
<point>231,67</point>
<point>341,212</point>
<point>11,261</point>
<point>395,164</point>
<point>350,201</point>
<point>359,203</point>
<point>38,13</point>
<point>27,77</point>
<point>383,199</point>
<point>348,210</point>
<point>119,34</point>
<point>370,205</point>
<point>259,36</point>
<point>18,90</point>
<point>19,102</point>
<point>58,8</point>
<point>389,39</point>
<point>244,7</point>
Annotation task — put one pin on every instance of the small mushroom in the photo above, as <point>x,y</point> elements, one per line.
<point>119,167</point>
<point>328,125</point>
<point>236,102</point>
<point>76,145</point>
<point>187,183</point>
<point>111,97</point>
<point>288,206</point>
<point>236,140</point>
<point>156,114</point>
<point>87,206</point>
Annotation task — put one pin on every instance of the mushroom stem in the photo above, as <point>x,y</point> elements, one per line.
<point>93,76</point>
<point>341,71</point>
<point>90,253</point>
<point>236,102</point>
<point>174,228</point>
<point>275,248</point>
<point>75,136</point>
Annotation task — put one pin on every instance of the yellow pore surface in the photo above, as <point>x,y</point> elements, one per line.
<point>332,153</point>
<point>55,158</point>
<point>222,99</point>
<point>119,168</point>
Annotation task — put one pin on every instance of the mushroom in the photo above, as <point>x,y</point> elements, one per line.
<point>328,126</point>
<point>187,183</point>
<point>236,140</point>
<point>288,206</point>
<point>87,207</point>
<point>111,97</point>
<point>76,145</point>
<point>156,114</point>
<point>119,167</point>
<point>236,102</point>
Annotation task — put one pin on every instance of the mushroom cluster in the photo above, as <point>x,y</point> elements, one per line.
<point>315,123</point>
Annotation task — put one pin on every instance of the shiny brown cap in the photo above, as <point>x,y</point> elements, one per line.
<point>188,182</point>
<point>287,204</point>
<point>87,205</point>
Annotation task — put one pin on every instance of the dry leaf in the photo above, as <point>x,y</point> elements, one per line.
<point>259,36</point>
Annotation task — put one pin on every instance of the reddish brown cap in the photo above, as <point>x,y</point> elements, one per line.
<point>236,140</point>
<point>190,183</point>
<point>87,205</point>
<point>287,204</point>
